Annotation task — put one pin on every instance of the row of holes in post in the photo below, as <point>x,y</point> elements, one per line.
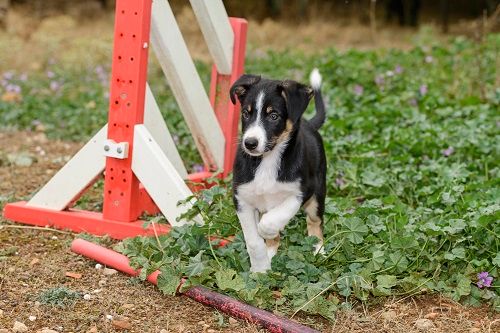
<point>113,178</point>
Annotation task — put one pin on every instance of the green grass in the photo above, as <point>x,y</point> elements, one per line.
<point>413,174</point>
<point>58,296</point>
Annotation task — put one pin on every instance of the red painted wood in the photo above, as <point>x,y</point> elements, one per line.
<point>79,221</point>
<point>122,196</point>
<point>227,113</point>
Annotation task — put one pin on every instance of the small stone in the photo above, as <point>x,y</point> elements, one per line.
<point>98,266</point>
<point>34,261</point>
<point>32,318</point>
<point>424,324</point>
<point>233,321</point>
<point>37,303</point>
<point>431,315</point>
<point>46,330</point>
<point>201,322</point>
<point>109,317</point>
<point>389,315</point>
<point>19,327</point>
<point>102,282</point>
<point>109,271</point>
<point>54,238</point>
<point>93,329</point>
<point>122,324</point>
<point>211,330</point>
<point>86,297</point>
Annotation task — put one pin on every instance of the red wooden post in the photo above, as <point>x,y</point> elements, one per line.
<point>122,195</point>
<point>227,113</point>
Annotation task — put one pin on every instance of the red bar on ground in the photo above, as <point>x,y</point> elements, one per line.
<point>79,221</point>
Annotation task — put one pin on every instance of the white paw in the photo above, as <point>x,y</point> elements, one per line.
<point>318,248</point>
<point>267,230</point>
<point>271,252</point>
<point>260,268</point>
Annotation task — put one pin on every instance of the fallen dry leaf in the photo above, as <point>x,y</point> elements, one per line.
<point>74,275</point>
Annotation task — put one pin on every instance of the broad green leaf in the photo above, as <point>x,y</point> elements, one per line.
<point>228,279</point>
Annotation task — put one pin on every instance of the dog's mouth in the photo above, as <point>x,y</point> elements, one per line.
<point>254,152</point>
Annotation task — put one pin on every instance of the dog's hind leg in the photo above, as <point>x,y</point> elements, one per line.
<point>314,208</point>
<point>272,246</point>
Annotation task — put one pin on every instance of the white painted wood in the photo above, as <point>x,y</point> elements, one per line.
<point>215,26</point>
<point>154,122</point>
<point>158,175</point>
<point>185,83</point>
<point>74,177</point>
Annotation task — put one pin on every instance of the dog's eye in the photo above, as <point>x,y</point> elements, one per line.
<point>245,114</point>
<point>273,116</point>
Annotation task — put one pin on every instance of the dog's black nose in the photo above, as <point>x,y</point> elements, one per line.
<point>251,143</point>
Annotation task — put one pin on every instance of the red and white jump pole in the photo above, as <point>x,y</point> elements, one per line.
<point>225,304</point>
<point>142,169</point>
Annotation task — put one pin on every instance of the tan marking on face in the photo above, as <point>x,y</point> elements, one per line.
<point>269,109</point>
<point>285,135</point>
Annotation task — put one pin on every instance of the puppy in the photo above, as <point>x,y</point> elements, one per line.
<point>280,164</point>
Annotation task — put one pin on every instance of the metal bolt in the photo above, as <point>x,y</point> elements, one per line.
<point>106,148</point>
<point>145,45</point>
<point>119,150</point>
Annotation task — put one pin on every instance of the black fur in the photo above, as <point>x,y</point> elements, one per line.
<point>304,156</point>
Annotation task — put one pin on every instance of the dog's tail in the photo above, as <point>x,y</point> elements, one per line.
<point>319,117</point>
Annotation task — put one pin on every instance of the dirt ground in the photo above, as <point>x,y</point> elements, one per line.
<point>32,261</point>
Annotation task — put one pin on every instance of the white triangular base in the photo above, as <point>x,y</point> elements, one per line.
<point>162,177</point>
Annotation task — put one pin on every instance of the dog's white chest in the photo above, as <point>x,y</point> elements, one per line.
<point>265,192</point>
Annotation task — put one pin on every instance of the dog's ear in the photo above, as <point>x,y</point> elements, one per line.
<point>241,86</point>
<point>297,97</point>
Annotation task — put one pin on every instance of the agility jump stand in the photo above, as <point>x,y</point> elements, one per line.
<point>143,171</point>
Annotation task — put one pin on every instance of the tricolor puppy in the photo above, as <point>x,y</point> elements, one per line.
<point>280,165</point>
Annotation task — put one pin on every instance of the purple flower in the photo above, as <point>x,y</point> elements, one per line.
<point>4,83</point>
<point>339,181</point>
<point>413,102</point>
<point>358,90</point>
<point>379,80</point>
<point>398,69</point>
<point>23,77</point>
<point>50,74</point>
<point>13,88</point>
<point>9,75</point>
<point>448,151</point>
<point>423,89</point>
<point>198,168</point>
<point>484,280</point>
<point>55,86</point>
<point>429,59</point>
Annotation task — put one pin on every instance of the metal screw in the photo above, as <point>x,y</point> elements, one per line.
<point>106,148</point>
<point>119,150</point>
<point>145,45</point>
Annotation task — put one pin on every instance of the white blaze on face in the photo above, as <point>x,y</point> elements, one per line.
<point>256,129</point>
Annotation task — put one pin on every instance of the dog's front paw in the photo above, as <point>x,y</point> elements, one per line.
<point>266,229</point>
<point>260,268</point>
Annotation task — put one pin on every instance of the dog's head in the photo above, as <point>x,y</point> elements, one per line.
<point>270,111</point>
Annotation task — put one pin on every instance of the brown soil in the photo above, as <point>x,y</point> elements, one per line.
<point>36,260</point>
